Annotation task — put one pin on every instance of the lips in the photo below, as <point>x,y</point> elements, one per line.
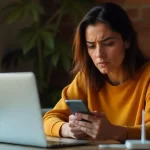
<point>102,64</point>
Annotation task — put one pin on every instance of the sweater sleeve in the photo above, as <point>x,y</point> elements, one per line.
<point>55,118</point>
<point>135,132</point>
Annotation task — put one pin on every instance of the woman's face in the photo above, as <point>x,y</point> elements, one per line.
<point>105,47</point>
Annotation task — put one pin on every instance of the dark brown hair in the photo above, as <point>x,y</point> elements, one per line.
<point>116,18</point>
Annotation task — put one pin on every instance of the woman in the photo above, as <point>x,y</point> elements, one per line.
<point>111,76</point>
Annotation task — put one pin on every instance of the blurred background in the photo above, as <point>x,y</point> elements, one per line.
<point>37,36</point>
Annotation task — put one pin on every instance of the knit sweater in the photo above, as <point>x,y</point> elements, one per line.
<point>121,104</point>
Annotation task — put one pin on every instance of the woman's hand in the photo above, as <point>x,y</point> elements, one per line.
<point>99,127</point>
<point>71,130</point>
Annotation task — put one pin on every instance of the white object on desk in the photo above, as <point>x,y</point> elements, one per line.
<point>103,146</point>
<point>139,144</point>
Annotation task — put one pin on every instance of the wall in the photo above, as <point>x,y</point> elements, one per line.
<point>139,13</point>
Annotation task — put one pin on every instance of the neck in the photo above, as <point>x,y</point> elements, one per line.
<point>118,77</point>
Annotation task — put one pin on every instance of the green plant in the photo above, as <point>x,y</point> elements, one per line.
<point>40,39</point>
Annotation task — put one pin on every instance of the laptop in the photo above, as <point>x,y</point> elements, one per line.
<point>20,113</point>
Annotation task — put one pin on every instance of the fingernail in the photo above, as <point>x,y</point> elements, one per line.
<point>76,114</point>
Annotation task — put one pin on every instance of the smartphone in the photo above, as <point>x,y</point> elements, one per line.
<point>78,106</point>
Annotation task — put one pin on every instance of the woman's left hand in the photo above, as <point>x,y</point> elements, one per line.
<point>98,126</point>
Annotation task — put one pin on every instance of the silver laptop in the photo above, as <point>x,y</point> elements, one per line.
<point>20,113</point>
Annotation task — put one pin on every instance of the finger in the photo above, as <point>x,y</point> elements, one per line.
<point>86,117</point>
<point>83,124</point>
<point>80,135</point>
<point>75,129</point>
<point>71,124</point>
<point>74,117</point>
<point>88,131</point>
<point>94,111</point>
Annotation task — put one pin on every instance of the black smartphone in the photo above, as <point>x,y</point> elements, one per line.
<point>78,106</point>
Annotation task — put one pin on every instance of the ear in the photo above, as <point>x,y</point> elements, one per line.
<point>126,44</point>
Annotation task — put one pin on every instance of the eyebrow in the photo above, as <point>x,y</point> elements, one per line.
<point>103,40</point>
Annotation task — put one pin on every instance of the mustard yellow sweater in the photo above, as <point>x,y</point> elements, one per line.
<point>121,104</point>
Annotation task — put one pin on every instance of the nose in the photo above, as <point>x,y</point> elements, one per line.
<point>99,51</point>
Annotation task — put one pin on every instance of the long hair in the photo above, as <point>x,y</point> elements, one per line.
<point>116,18</point>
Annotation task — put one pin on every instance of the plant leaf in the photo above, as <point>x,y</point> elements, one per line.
<point>34,15</point>
<point>29,44</point>
<point>35,9</point>
<point>55,58</point>
<point>14,15</point>
<point>47,39</point>
<point>9,7</point>
<point>48,52</point>
<point>26,33</point>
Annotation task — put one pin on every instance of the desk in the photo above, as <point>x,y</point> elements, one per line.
<point>92,146</point>
<point>87,147</point>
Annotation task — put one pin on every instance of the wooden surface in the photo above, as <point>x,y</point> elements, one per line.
<point>87,147</point>
<point>92,146</point>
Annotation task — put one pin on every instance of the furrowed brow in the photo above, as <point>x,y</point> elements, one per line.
<point>106,39</point>
<point>103,40</point>
<point>88,42</point>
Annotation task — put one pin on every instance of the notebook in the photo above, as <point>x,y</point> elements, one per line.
<point>20,113</point>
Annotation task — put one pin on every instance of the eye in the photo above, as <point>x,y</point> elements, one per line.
<point>109,44</point>
<point>91,46</point>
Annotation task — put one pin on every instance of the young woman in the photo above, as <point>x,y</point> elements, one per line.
<point>111,75</point>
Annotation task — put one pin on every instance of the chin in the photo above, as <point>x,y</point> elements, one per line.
<point>104,71</point>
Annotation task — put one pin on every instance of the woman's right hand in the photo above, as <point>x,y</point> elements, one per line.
<point>71,130</point>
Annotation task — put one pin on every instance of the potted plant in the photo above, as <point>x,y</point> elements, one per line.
<point>40,39</point>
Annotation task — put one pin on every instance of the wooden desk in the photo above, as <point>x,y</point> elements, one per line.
<point>92,146</point>
<point>87,147</point>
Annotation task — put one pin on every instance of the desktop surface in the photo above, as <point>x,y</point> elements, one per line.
<point>86,147</point>
<point>92,146</point>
